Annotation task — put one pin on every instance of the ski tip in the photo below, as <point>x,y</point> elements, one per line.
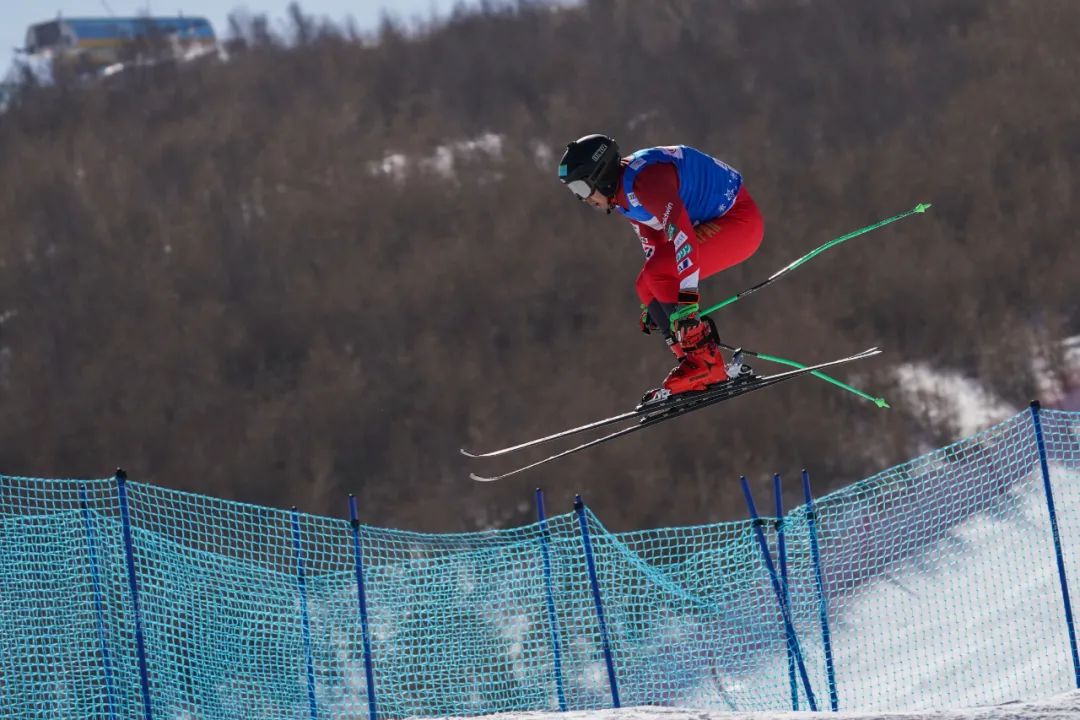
<point>466,453</point>
<point>923,207</point>
<point>478,478</point>
<point>882,403</point>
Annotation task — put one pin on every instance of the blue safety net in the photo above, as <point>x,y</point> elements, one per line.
<point>941,583</point>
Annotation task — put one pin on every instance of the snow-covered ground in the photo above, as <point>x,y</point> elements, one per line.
<point>1060,707</point>
<point>976,616</point>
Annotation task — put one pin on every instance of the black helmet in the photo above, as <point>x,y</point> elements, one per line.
<point>591,163</point>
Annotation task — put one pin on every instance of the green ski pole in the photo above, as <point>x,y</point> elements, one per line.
<point>920,208</point>
<point>880,402</point>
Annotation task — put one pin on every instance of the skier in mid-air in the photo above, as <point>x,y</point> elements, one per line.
<point>694,218</point>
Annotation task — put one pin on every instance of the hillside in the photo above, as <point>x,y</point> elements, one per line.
<point>310,270</point>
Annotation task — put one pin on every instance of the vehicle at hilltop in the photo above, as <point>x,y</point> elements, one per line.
<point>103,46</point>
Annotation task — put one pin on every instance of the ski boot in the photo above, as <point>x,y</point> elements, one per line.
<point>701,365</point>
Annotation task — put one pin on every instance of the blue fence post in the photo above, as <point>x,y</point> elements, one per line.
<point>133,585</point>
<point>1041,441</point>
<point>789,627</point>
<point>301,584</point>
<point>361,593</point>
<point>823,605</point>
<point>545,550</point>
<point>99,606</point>
<point>579,508</point>
<point>781,553</point>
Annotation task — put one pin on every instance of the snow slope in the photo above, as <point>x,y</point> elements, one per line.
<point>1060,707</point>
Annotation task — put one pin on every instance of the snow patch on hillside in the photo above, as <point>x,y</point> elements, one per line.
<point>948,396</point>
<point>442,161</point>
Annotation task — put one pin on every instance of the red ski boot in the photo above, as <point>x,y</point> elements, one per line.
<point>702,364</point>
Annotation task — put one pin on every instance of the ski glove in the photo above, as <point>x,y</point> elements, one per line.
<point>646,321</point>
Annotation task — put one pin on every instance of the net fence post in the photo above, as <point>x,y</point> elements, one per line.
<point>99,606</point>
<point>358,555</point>
<point>1040,440</point>
<point>301,585</point>
<point>789,628</point>
<point>586,541</point>
<point>545,550</point>
<point>133,585</point>
<point>823,605</point>
<point>781,553</point>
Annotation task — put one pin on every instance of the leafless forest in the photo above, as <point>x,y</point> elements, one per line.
<point>217,276</point>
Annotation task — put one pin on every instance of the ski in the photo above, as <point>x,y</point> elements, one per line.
<point>638,412</point>
<point>668,409</point>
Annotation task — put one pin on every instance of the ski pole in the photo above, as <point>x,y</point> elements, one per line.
<point>920,208</point>
<point>879,401</point>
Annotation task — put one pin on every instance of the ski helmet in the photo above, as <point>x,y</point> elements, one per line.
<point>591,163</point>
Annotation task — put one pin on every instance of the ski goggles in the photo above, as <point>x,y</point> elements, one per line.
<point>580,188</point>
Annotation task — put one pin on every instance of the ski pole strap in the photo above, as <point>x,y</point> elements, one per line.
<point>920,208</point>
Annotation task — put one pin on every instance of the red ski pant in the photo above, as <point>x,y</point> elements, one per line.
<point>719,243</point>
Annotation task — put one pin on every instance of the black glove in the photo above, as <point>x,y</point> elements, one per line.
<point>646,321</point>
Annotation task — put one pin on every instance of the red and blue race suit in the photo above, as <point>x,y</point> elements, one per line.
<point>693,216</point>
